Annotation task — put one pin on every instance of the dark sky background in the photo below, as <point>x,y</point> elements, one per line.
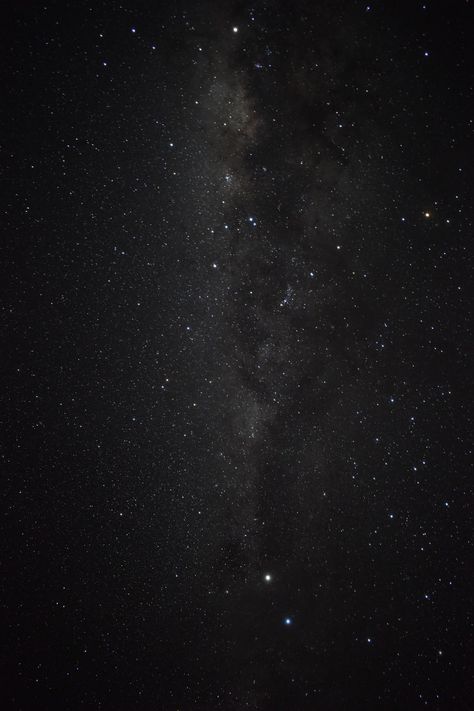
<point>236,355</point>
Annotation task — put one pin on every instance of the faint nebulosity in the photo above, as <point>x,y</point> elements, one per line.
<point>237,348</point>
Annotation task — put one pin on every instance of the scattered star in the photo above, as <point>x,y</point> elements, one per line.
<point>237,336</point>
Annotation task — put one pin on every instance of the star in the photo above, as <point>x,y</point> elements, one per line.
<point>285,348</point>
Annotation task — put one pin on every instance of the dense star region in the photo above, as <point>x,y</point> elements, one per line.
<point>236,413</point>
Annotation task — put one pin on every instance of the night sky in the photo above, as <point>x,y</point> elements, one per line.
<point>236,354</point>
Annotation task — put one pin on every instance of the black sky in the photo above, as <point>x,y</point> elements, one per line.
<point>236,351</point>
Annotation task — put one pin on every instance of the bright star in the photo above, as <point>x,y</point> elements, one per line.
<point>287,621</point>
<point>268,578</point>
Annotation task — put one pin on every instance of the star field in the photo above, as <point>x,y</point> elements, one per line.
<point>236,417</point>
